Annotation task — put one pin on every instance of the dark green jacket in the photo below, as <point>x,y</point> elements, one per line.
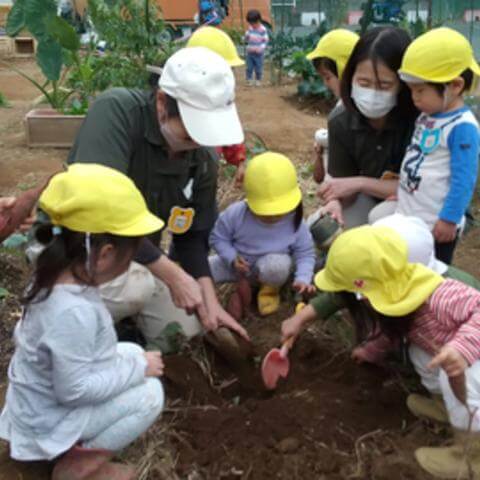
<point>121,131</point>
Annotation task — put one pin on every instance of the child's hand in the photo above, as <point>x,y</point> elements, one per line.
<point>241,265</point>
<point>444,232</point>
<point>335,210</point>
<point>302,288</point>
<point>291,327</point>
<point>155,364</point>
<point>451,360</point>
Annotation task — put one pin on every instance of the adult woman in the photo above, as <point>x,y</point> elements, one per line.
<point>368,139</point>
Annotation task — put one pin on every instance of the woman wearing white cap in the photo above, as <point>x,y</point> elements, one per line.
<point>161,140</point>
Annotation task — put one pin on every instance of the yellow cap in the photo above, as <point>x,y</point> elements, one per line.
<point>271,185</point>
<point>97,199</point>
<point>439,56</point>
<point>373,261</point>
<point>217,41</point>
<point>336,45</point>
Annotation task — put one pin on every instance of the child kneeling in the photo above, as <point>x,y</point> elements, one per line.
<point>73,389</point>
<point>439,317</point>
<point>259,239</point>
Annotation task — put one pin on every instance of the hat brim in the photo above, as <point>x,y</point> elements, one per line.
<point>323,282</point>
<point>475,67</point>
<point>145,225</point>
<point>280,206</point>
<point>420,284</point>
<point>317,53</point>
<point>237,62</point>
<point>212,128</point>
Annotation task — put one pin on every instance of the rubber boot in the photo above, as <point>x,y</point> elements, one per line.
<point>90,464</point>
<point>240,300</point>
<point>430,408</point>
<point>455,462</point>
<point>268,299</point>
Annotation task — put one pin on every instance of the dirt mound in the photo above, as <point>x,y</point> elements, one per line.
<point>307,428</point>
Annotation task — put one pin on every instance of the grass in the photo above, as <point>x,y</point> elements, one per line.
<point>3,101</point>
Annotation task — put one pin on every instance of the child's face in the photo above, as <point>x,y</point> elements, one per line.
<point>426,98</point>
<point>331,81</point>
<point>109,265</point>
<point>429,100</point>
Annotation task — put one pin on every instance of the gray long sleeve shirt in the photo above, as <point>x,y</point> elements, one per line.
<point>65,362</point>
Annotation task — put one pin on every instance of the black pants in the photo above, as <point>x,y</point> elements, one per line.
<point>444,251</point>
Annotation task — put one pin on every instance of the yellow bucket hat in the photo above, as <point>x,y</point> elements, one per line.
<point>217,41</point>
<point>337,45</point>
<point>271,185</point>
<point>439,56</point>
<point>372,261</point>
<point>92,198</point>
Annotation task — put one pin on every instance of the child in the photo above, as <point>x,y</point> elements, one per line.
<point>257,239</point>
<point>440,318</point>
<point>439,170</point>
<point>329,59</point>
<point>256,39</point>
<point>72,387</point>
<point>420,245</point>
<point>331,55</point>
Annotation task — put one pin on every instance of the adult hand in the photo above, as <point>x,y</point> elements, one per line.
<point>185,291</point>
<point>155,365</point>
<point>301,287</point>
<point>444,232</point>
<point>240,174</point>
<point>451,360</point>
<point>241,265</point>
<point>335,210</point>
<point>215,315</point>
<point>337,188</point>
<point>6,203</point>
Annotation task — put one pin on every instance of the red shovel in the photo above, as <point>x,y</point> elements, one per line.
<point>276,364</point>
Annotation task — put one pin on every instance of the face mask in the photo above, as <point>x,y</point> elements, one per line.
<point>176,144</point>
<point>373,103</point>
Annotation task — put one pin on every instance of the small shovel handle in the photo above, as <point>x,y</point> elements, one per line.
<point>286,346</point>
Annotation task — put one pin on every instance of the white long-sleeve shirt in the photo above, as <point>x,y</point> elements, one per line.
<point>65,362</point>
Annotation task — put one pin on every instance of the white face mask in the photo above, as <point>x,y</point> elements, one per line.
<point>176,144</point>
<point>373,103</point>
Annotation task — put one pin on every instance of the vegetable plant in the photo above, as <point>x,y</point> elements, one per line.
<point>133,33</point>
<point>57,44</point>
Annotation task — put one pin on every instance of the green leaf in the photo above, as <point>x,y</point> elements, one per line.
<point>16,18</point>
<point>4,293</point>
<point>36,13</point>
<point>50,58</point>
<point>63,33</point>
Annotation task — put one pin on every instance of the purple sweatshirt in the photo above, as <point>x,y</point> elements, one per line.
<point>238,232</point>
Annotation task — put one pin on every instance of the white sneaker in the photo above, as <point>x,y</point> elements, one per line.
<point>258,83</point>
<point>250,83</point>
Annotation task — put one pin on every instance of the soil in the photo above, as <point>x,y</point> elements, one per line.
<point>330,419</point>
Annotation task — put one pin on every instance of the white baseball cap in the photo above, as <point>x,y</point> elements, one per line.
<point>203,84</point>
<point>420,243</point>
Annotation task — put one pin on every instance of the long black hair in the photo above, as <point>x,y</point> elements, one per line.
<point>385,45</point>
<point>366,320</point>
<point>66,249</point>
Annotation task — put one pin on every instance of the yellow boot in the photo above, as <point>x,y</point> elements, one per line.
<point>268,299</point>
<point>424,407</point>
<point>455,462</point>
